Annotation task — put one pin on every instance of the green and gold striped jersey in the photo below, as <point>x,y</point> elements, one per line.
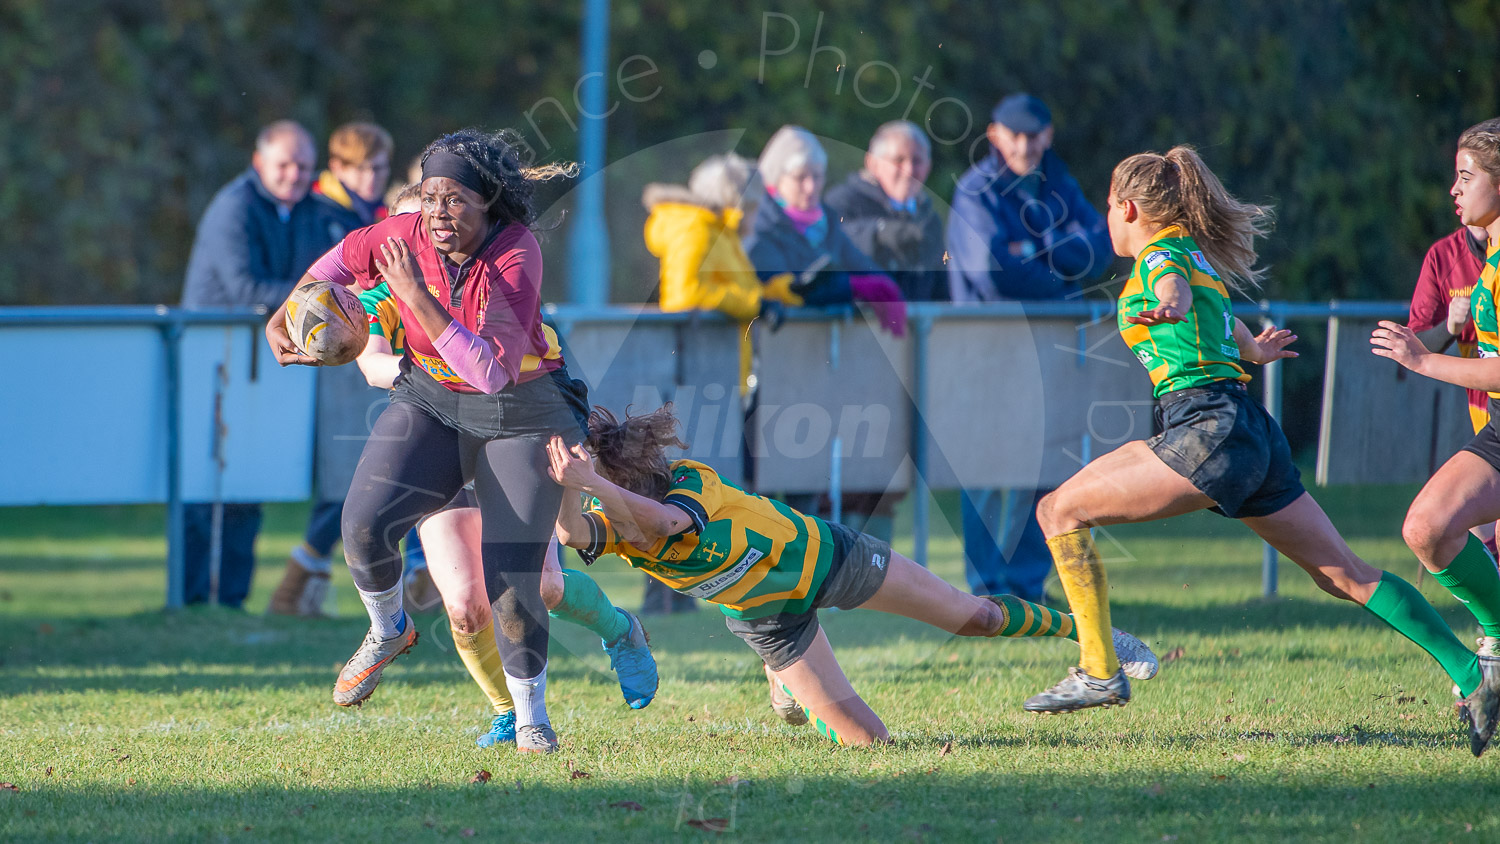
<point>1197,351</point>
<point>751,555</point>
<point>1482,306</point>
<point>385,319</point>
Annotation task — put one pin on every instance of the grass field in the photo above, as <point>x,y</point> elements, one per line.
<point>1294,719</point>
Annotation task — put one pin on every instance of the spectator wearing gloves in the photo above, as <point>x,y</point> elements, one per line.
<point>887,213</point>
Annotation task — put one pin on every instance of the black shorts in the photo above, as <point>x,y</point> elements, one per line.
<point>1227,445</point>
<point>854,576</point>
<point>1486,443</point>
<point>550,404</point>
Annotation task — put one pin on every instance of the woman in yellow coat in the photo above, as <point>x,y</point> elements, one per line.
<point>696,230</point>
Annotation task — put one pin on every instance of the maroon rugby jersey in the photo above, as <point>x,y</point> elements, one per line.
<point>499,297</point>
<point>1450,269</point>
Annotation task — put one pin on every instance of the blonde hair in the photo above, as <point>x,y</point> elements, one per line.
<point>1483,139</point>
<point>356,143</point>
<point>401,195</point>
<point>792,148</point>
<point>725,181</point>
<point>1178,189</point>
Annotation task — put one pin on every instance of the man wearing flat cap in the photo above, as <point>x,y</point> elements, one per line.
<point>1019,228</point>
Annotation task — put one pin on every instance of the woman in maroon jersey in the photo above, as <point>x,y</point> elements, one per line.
<point>482,390</point>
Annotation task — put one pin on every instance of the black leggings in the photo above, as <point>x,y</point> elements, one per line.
<point>411,466</point>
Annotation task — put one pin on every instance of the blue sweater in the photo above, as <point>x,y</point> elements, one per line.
<point>245,254</point>
<point>1015,238</point>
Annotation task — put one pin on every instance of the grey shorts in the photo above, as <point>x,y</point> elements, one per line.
<point>1227,445</point>
<point>854,576</point>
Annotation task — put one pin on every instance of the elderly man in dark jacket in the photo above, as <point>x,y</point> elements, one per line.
<point>1019,228</point>
<point>887,214</point>
<point>257,237</point>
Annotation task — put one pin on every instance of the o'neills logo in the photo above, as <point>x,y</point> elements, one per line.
<point>723,579</point>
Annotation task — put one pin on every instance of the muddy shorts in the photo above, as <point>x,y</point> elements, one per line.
<point>854,576</point>
<point>1227,445</point>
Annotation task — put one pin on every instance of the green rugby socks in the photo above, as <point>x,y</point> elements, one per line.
<point>1400,605</point>
<point>585,604</point>
<point>1473,580</point>
<point>1025,620</point>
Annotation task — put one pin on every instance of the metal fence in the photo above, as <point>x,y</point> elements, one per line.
<point>995,395</point>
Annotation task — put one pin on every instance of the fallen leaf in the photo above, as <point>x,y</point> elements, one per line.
<point>946,749</point>
<point>1239,757</point>
<point>44,628</point>
<point>709,824</point>
<point>732,779</point>
<point>122,758</point>
<point>1156,789</point>
<point>481,776</point>
<point>49,770</point>
<point>467,832</point>
<point>1468,827</point>
<point>5,786</point>
<point>1173,655</point>
<point>130,781</point>
<point>248,827</point>
<point>952,691</point>
<point>1270,700</point>
<point>951,657</point>
<point>1227,717</point>
<point>578,775</point>
<point>690,718</point>
<point>1407,716</point>
<point>1340,739</point>
<point>629,805</point>
<point>1220,777</point>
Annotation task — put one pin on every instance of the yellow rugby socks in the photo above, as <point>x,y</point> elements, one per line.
<point>1087,589</point>
<point>482,657</point>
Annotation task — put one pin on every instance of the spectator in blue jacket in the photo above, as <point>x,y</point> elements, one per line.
<point>1019,228</point>
<point>257,237</point>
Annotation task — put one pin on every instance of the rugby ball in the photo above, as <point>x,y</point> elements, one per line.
<point>327,322</point>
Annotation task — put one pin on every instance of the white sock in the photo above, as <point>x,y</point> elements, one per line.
<point>315,564</point>
<point>530,697</point>
<point>387,611</point>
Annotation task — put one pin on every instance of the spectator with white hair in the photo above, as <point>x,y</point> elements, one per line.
<point>887,213</point>
<point>793,234</point>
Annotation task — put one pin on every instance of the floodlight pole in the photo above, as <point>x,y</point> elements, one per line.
<point>588,243</point>
<point>1271,376</point>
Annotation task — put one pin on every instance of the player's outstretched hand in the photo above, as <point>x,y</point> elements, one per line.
<point>1270,344</point>
<point>1159,315</point>
<point>573,468</point>
<point>1399,343</point>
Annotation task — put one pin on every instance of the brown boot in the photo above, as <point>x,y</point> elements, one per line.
<point>287,598</point>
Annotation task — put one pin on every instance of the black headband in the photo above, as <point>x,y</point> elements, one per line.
<point>449,166</point>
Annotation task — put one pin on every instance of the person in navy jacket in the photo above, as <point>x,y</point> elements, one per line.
<point>1019,228</point>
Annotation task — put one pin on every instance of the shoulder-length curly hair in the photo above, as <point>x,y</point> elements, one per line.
<point>633,453</point>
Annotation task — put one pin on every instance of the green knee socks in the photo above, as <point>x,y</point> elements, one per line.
<point>1472,579</point>
<point>1400,605</point>
<point>585,604</point>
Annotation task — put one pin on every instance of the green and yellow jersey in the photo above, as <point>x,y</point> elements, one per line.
<point>1482,306</point>
<point>752,556</point>
<point>385,319</point>
<point>1197,351</point>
